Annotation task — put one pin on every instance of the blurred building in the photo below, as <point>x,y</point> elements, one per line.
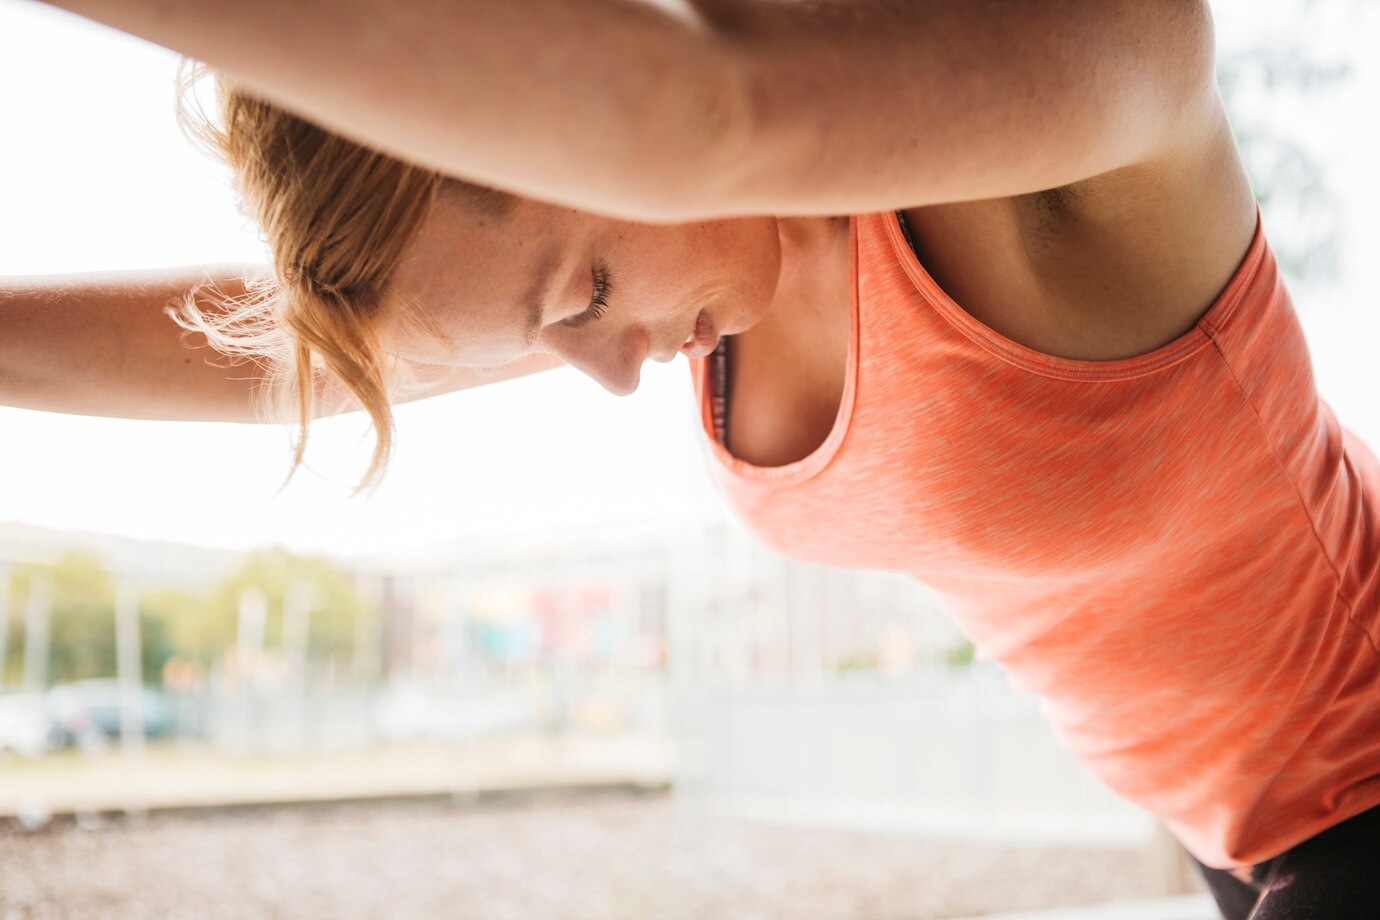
<point>161,564</point>
<point>793,692</point>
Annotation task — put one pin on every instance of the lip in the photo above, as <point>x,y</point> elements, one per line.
<point>705,338</point>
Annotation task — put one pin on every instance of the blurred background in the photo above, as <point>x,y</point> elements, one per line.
<point>540,672</point>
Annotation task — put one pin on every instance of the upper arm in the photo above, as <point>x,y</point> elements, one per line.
<point>858,105</point>
<point>677,110</point>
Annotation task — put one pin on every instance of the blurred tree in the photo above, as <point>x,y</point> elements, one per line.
<point>336,607</point>
<point>176,624</point>
<point>858,661</point>
<point>961,655</point>
<point>81,641</point>
<point>173,624</point>
<point>1304,209</point>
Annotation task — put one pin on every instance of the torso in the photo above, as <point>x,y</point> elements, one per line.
<point>1107,268</point>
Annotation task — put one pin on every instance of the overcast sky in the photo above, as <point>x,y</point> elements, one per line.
<point>93,175</point>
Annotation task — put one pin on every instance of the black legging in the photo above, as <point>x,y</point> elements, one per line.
<point>1333,876</point>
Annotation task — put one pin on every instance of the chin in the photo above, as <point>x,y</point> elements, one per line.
<point>743,320</point>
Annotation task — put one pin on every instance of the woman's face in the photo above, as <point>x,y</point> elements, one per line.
<point>603,295</point>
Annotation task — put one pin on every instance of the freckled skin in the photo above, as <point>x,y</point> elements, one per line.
<point>467,276</point>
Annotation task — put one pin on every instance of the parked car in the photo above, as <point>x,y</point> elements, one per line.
<point>25,725</point>
<point>88,708</point>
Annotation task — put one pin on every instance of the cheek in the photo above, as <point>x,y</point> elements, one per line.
<point>752,302</point>
<point>744,249</point>
<point>754,265</point>
<point>729,266</point>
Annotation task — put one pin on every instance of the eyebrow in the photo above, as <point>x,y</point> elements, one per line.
<point>534,298</point>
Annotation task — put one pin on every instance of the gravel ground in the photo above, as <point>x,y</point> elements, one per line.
<point>548,857</point>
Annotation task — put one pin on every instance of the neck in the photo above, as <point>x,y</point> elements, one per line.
<point>810,308</point>
<point>811,250</point>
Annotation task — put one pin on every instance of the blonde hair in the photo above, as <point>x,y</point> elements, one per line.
<point>338,218</point>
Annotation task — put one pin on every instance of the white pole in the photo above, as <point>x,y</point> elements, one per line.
<point>4,622</point>
<point>130,679</point>
<point>297,604</point>
<point>366,656</point>
<point>129,670</point>
<point>253,614</point>
<point>296,611</point>
<point>36,619</point>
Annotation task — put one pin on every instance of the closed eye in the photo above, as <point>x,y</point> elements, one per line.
<point>598,301</point>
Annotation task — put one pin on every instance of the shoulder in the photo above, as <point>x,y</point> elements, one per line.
<point>1170,231</point>
<point>1107,267</point>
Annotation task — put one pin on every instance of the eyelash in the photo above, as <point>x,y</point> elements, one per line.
<point>599,302</point>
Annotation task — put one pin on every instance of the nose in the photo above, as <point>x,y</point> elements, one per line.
<point>615,363</point>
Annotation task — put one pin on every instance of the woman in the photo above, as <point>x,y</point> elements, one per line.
<point>1046,365</point>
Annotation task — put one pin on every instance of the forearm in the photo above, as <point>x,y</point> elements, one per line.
<point>104,344</point>
<point>610,105</point>
<point>676,110</point>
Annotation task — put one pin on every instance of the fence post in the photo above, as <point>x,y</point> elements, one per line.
<point>36,623</point>
<point>298,602</point>
<point>129,674</point>
<point>4,622</point>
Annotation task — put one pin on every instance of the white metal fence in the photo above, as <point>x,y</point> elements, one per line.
<point>951,752</point>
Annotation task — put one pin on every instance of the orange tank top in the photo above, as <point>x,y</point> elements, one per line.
<point>1177,551</point>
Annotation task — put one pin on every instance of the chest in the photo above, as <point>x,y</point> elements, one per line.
<point>938,446</point>
<point>1078,280</point>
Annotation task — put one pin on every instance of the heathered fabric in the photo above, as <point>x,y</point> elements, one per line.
<point>1177,551</point>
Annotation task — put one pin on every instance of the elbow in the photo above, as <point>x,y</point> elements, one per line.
<point>1152,75</point>
<point>1180,76</point>
<point>1189,55</point>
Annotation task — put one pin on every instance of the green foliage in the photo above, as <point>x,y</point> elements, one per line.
<point>81,624</point>
<point>171,624</point>
<point>961,655</point>
<point>336,607</point>
<point>859,661</point>
<point>178,624</point>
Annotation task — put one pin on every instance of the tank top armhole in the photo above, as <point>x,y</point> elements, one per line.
<point>1256,266</point>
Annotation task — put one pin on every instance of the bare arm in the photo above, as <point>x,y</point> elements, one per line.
<point>103,344</point>
<point>682,109</point>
